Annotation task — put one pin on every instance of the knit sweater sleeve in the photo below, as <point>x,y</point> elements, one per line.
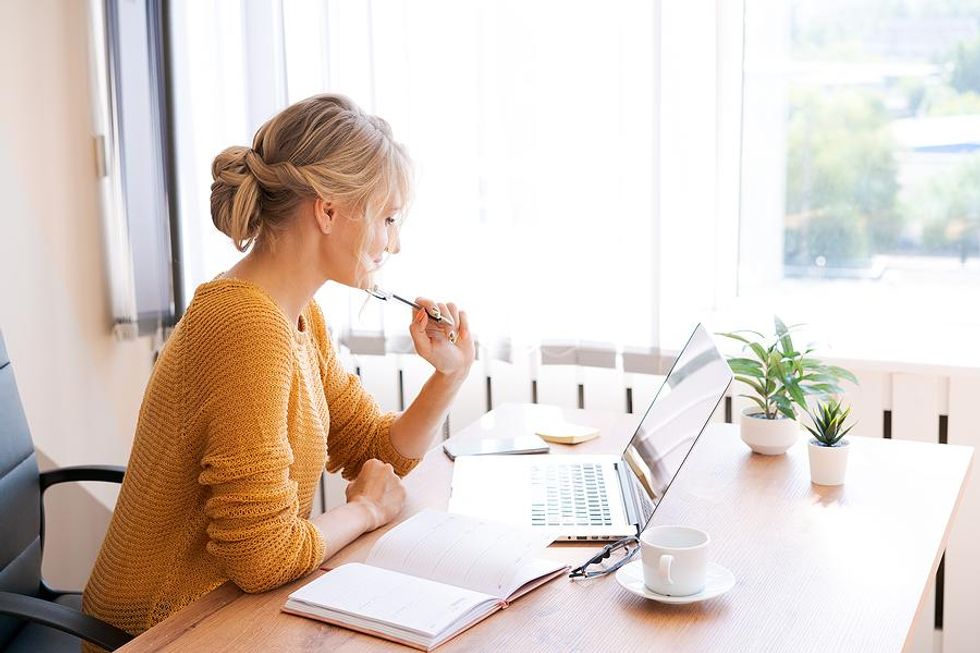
<point>359,430</point>
<point>254,529</point>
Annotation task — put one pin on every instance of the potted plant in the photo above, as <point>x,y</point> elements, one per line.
<point>781,378</point>
<point>828,448</point>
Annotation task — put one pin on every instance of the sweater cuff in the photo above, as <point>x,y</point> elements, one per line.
<point>319,547</point>
<point>387,450</point>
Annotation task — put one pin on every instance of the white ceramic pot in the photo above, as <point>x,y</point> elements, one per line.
<point>770,437</point>
<point>828,464</point>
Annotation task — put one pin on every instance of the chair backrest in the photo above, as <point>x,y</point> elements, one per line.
<point>20,499</point>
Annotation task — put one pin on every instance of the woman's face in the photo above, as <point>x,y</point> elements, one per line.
<point>385,237</point>
<point>356,248</point>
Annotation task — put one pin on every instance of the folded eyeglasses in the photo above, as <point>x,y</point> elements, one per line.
<point>610,558</point>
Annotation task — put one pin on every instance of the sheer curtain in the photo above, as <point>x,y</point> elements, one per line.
<point>210,113</point>
<point>533,126</point>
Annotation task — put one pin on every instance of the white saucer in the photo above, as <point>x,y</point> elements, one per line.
<point>720,580</point>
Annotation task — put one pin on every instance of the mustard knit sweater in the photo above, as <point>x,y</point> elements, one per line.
<point>233,434</point>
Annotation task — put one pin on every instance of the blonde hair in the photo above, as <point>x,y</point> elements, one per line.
<point>324,146</point>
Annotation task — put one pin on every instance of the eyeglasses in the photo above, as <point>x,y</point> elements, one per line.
<point>609,559</point>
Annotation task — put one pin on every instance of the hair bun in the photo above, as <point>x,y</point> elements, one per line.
<point>235,197</point>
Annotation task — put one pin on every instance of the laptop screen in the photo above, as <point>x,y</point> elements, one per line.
<point>672,424</point>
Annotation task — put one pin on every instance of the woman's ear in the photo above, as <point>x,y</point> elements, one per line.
<point>323,213</point>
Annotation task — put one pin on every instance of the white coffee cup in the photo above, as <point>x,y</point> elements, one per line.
<point>675,559</point>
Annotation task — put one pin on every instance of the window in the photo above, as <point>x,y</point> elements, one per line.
<point>860,192</point>
<point>618,172</point>
<point>133,123</point>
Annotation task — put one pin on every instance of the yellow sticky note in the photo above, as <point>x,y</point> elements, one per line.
<point>567,433</point>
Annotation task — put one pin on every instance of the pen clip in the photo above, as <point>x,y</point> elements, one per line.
<point>377,293</point>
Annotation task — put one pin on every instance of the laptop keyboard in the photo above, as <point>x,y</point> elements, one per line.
<point>573,495</point>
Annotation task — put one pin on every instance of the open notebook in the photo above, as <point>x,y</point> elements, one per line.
<point>430,578</point>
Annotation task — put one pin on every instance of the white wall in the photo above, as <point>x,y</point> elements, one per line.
<point>81,389</point>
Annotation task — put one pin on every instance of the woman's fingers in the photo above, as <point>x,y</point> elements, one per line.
<point>430,306</point>
<point>464,325</point>
<point>417,330</point>
<point>430,325</point>
<point>453,334</point>
<point>449,327</point>
<point>420,320</point>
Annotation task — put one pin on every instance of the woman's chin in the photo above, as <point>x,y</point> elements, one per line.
<point>363,281</point>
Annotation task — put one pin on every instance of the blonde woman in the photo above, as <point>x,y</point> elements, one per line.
<point>248,404</point>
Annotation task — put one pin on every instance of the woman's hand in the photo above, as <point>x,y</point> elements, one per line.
<point>450,349</point>
<point>379,490</point>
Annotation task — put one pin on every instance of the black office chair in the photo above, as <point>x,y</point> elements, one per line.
<point>34,617</point>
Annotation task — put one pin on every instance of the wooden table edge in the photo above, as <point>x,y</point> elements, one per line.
<point>174,626</point>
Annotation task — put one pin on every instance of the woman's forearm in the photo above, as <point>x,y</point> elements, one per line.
<point>344,524</point>
<point>411,432</point>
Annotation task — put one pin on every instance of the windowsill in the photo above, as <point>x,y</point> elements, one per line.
<point>922,329</point>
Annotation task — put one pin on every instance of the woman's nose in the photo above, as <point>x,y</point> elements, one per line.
<point>394,241</point>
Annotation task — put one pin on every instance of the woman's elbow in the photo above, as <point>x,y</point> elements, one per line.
<point>259,570</point>
<point>254,584</point>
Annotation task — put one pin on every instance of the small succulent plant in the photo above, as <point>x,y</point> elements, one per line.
<point>829,418</point>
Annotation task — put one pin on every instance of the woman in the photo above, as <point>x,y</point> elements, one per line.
<point>248,397</point>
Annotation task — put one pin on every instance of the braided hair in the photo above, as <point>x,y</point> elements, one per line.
<point>324,146</point>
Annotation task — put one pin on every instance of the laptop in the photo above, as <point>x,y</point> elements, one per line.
<point>594,496</point>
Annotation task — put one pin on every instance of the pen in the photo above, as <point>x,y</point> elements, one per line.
<point>433,313</point>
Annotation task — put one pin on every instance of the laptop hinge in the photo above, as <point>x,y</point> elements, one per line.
<point>629,495</point>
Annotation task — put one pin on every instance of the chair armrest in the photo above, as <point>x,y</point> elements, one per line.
<point>64,619</point>
<point>107,473</point>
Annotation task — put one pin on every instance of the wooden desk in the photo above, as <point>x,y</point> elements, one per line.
<point>817,569</point>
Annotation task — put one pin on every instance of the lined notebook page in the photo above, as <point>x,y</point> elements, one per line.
<point>460,550</point>
<point>386,597</point>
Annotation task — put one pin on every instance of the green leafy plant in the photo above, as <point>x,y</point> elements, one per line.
<point>828,419</point>
<point>782,376</point>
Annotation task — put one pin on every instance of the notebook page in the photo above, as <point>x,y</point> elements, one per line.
<point>459,550</point>
<point>531,575</point>
<point>387,597</point>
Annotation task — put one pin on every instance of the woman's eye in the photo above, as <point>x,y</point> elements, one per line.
<point>390,221</point>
